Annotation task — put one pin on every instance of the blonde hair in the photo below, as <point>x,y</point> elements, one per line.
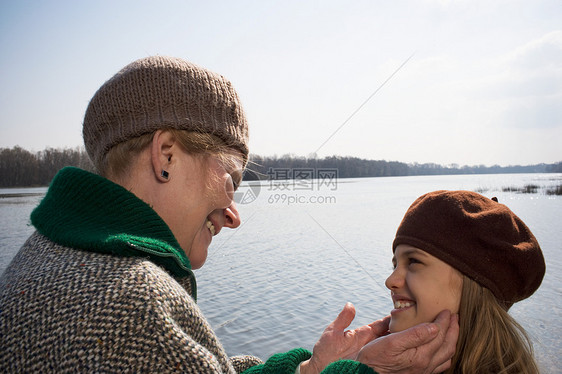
<point>490,340</point>
<point>119,158</point>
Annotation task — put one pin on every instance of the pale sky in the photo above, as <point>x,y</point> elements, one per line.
<point>483,84</point>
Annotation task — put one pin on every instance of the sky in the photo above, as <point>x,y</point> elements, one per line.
<point>428,81</point>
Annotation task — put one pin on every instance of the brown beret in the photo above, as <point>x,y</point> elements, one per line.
<point>157,92</point>
<point>481,238</point>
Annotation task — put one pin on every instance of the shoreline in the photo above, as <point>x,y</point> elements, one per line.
<point>20,194</point>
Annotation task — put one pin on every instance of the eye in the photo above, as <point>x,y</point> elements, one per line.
<point>413,260</point>
<point>236,178</point>
<point>232,179</point>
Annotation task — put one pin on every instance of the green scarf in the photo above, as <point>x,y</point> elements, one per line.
<point>88,212</point>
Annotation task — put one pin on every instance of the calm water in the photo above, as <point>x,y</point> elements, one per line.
<point>303,250</point>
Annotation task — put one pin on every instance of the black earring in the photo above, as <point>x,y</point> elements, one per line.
<point>164,174</point>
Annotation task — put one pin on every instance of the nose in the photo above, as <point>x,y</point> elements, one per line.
<point>231,216</point>
<point>395,280</point>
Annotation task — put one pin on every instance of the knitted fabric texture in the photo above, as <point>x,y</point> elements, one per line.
<point>158,92</point>
<point>64,310</point>
<point>287,363</point>
<point>85,211</point>
<point>481,238</point>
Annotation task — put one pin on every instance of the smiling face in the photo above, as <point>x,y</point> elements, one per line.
<point>197,200</point>
<point>216,208</point>
<point>421,286</point>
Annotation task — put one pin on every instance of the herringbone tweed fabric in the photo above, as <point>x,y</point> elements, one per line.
<point>66,310</point>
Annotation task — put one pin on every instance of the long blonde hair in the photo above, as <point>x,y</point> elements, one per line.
<point>490,340</point>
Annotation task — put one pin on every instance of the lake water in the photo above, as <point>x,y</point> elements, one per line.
<point>304,249</point>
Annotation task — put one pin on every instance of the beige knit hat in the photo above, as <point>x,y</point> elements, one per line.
<point>157,92</point>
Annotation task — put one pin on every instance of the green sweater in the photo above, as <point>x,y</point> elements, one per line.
<point>103,286</point>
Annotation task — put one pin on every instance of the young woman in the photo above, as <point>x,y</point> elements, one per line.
<point>461,251</point>
<point>105,284</point>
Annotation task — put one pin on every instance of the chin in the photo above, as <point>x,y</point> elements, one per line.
<point>197,265</point>
<point>197,262</point>
<point>396,326</point>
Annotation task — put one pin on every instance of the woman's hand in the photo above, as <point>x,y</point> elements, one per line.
<point>425,348</point>
<point>336,343</point>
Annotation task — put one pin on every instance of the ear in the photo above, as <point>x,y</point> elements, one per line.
<point>161,154</point>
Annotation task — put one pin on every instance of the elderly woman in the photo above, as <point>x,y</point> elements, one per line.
<point>105,284</point>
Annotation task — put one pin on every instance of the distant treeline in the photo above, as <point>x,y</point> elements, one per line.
<point>21,168</point>
<point>352,167</point>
